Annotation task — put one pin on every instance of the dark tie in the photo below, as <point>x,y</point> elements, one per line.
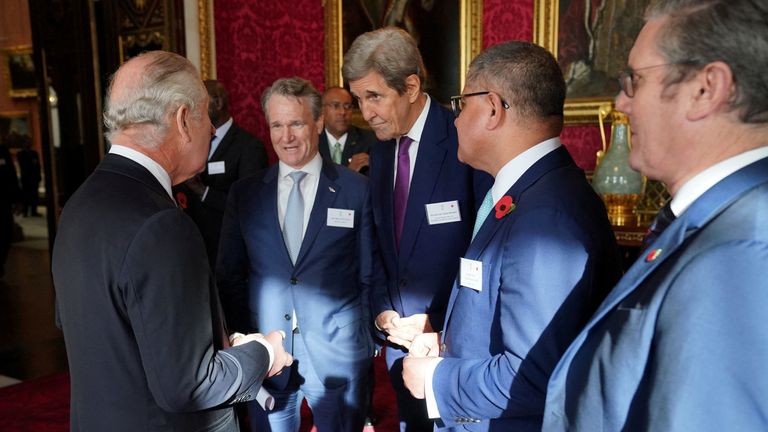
<point>662,221</point>
<point>401,185</point>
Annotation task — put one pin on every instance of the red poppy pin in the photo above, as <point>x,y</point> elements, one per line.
<point>504,206</point>
<point>181,198</point>
<point>653,255</point>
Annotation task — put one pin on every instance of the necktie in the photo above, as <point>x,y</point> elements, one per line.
<point>662,221</point>
<point>293,223</point>
<point>483,212</point>
<point>336,156</point>
<point>402,182</point>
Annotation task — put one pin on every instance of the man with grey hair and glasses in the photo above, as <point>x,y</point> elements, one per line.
<point>297,254</point>
<point>135,297</point>
<point>424,198</point>
<point>681,342</point>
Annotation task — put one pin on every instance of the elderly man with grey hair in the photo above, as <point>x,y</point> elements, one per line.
<point>424,198</point>
<point>135,298</point>
<point>681,343</point>
<point>297,254</point>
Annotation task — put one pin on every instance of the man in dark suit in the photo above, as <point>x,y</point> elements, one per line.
<point>542,258</point>
<point>341,142</point>
<point>681,344</point>
<point>234,154</point>
<point>10,199</point>
<point>29,171</point>
<point>135,297</point>
<point>424,199</point>
<point>297,255</point>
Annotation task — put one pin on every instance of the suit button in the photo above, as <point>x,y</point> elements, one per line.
<point>403,282</point>
<point>287,317</point>
<point>294,281</point>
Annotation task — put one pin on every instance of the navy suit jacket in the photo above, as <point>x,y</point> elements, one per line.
<point>142,323</point>
<point>680,344</point>
<point>358,141</point>
<point>546,266</point>
<point>329,285</point>
<point>419,274</point>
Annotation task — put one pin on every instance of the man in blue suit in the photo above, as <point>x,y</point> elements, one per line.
<point>542,258</point>
<point>297,255</point>
<point>681,344</point>
<point>424,199</point>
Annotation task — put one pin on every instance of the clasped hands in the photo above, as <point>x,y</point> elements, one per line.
<point>275,339</point>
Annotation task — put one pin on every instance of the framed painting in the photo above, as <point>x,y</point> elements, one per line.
<point>591,40</point>
<point>15,129</point>
<point>19,71</point>
<point>448,32</point>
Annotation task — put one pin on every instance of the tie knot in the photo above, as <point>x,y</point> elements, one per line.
<point>405,143</point>
<point>297,176</point>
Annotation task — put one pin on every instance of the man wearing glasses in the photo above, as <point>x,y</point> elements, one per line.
<point>681,343</point>
<point>541,260</point>
<point>340,142</point>
<point>424,199</point>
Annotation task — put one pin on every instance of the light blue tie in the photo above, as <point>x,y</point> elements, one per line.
<point>293,223</point>
<point>336,153</point>
<point>483,212</point>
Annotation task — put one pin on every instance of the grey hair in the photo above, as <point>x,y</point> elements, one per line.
<point>526,76</point>
<point>294,87</point>
<point>167,82</point>
<point>735,32</point>
<point>391,52</point>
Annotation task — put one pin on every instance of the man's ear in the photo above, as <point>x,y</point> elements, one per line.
<point>320,123</point>
<point>183,123</point>
<point>412,87</point>
<point>495,110</point>
<point>711,90</point>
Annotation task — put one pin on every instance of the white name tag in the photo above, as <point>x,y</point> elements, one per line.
<point>216,168</point>
<point>341,218</point>
<point>471,274</point>
<point>443,212</point>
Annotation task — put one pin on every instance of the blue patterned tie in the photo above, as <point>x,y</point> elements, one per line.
<point>293,223</point>
<point>483,212</point>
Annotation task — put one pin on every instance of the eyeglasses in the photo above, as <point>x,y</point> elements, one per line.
<point>628,78</point>
<point>339,106</point>
<point>457,102</point>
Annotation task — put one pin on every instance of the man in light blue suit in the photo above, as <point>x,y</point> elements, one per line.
<point>297,255</point>
<point>424,199</point>
<point>681,343</point>
<point>542,259</point>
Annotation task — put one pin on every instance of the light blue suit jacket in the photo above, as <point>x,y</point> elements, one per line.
<point>546,267</point>
<point>329,285</point>
<point>681,343</point>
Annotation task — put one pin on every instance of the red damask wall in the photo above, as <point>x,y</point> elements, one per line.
<point>258,41</point>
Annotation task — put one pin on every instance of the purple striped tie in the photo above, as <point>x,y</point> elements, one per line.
<point>402,182</point>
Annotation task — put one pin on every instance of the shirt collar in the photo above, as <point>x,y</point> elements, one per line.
<point>140,158</point>
<point>220,132</point>
<point>332,139</point>
<point>511,172</point>
<point>418,126</point>
<point>703,181</point>
<point>312,167</point>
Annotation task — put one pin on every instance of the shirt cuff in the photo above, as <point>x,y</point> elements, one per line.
<point>429,392</point>
<point>269,350</point>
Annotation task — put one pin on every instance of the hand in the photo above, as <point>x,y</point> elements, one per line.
<point>384,320</point>
<point>405,329</point>
<point>282,358</point>
<point>425,345</point>
<point>358,161</point>
<point>414,371</point>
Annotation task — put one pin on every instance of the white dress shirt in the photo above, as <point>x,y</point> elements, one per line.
<point>415,134</point>
<point>308,188</point>
<point>220,132</point>
<point>153,167</point>
<point>332,141</point>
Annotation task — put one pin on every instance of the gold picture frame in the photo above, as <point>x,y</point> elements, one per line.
<point>469,43</point>
<point>15,129</point>
<point>628,18</point>
<point>19,71</point>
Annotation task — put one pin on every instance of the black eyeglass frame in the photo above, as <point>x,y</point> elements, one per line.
<point>457,101</point>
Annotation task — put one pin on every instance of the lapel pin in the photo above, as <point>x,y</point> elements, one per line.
<point>331,189</point>
<point>653,255</point>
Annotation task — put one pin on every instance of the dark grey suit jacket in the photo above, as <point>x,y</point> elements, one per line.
<point>140,312</point>
<point>358,141</point>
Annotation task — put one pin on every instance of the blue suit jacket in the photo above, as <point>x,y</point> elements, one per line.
<point>419,275</point>
<point>546,266</point>
<point>681,343</point>
<point>329,285</point>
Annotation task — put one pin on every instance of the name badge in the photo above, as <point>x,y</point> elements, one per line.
<point>471,274</point>
<point>216,167</point>
<point>443,212</point>
<point>341,218</point>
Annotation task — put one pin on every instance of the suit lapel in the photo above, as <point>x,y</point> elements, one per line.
<point>224,144</point>
<point>268,200</point>
<point>386,190</point>
<point>349,146</point>
<point>322,145</point>
<point>327,191</point>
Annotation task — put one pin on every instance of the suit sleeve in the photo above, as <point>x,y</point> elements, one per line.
<point>166,285</point>
<point>544,270</point>
<point>232,268</point>
<point>710,346</point>
<point>371,271</point>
